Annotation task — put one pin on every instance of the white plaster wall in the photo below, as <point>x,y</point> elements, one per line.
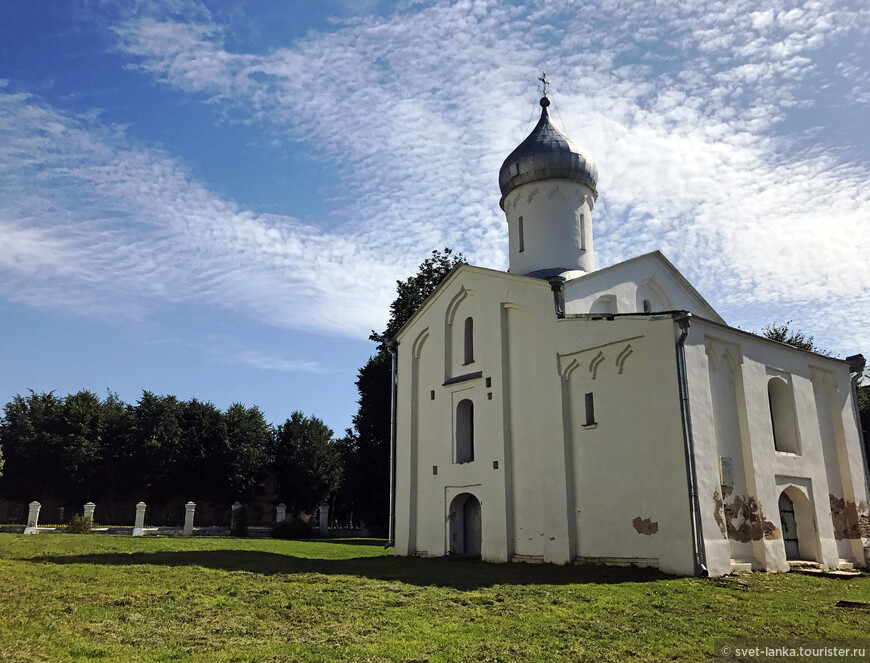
<point>557,226</point>
<point>432,427</point>
<point>629,467</point>
<point>631,282</point>
<point>525,433</point>
<point>768,472</point>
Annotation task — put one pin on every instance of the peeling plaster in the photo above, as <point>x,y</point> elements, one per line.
<point>745,510</point>
<point>645,525</point>
<point>718,512</point>
<point>850,521</point>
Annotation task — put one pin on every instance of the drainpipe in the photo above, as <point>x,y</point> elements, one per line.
<point>391,526</point>
<point>556,285</point>
<point>700,557</point>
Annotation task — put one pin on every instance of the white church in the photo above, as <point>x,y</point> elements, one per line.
<point>558,413</point>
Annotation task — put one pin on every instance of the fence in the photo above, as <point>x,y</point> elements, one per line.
<point>238,521</point>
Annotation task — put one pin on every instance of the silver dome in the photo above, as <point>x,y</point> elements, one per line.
<point>546,154</point>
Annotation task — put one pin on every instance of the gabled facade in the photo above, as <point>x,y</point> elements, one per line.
<point>559,414</point>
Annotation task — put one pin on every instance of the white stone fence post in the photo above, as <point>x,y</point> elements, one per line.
<point>324,519</point>
<point>33,518</point>
<point>139,525</point>
<point>189,509</point>
<point>89,510</point>
<point>281,514</point>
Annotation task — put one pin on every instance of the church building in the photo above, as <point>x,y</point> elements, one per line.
<point>559,413</point>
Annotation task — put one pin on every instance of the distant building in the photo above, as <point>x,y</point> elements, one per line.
<point>558,413</point>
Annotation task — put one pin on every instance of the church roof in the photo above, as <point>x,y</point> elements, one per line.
<point>545,154</point>
<point>618,271</point>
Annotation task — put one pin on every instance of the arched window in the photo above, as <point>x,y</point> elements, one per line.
<point>465,431</point>
<point>782,415</point>
<point>650,290</point>
<point>469,341</point>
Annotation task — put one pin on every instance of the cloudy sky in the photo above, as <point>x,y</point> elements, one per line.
<point>215,199</point>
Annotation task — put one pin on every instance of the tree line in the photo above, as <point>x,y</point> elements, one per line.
<point>80,447</point>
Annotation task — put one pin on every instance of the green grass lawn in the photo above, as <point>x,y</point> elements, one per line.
<point>70,597</point>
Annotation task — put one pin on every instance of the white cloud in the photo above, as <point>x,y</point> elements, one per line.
<point>268,362</point>
<point>418,109</point>
<point>90,224</point>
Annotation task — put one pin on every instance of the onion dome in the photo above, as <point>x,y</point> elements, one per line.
<point>546,154</point>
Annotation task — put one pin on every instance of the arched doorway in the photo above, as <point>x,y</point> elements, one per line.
<point>799,535</point>
<point>465,526</point>
<point>789,527</point>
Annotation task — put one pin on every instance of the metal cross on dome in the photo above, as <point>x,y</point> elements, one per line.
<point>543,79</point>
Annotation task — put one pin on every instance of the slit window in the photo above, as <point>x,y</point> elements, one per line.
<point>647,306</point>
<point>469,341</point>
<point>522,236</point>
<point>590,410</point>
<point>782,416</point>
<point>465,431</point>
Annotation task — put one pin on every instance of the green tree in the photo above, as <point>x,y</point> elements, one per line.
<point>61,448</point>
<point>863,392</point>
<point>204,451</point>
<point>345,498</point>
<point>79,450</point>
<point>367,446</point>
<point>117,426</point>
<point>413,291</point>
<point>155,449</point>
<point>794,337</point>
<point>864,398</point>
<point>306,462</point>
<point>30,441</point>
<point>246,456</point>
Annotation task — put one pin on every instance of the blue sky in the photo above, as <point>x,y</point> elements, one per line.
<point>215,199</point>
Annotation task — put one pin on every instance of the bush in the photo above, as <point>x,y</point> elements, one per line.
<point>294,528</point>
<point>78,524</point>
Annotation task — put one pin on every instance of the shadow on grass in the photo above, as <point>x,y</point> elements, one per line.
<point>374,543</point>
<point>458,574</point>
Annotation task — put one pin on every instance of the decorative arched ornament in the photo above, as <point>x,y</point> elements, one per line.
<point>595,363</point>
<point>458,298</point>
<point>419,342</point>
<point>622,357</point>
